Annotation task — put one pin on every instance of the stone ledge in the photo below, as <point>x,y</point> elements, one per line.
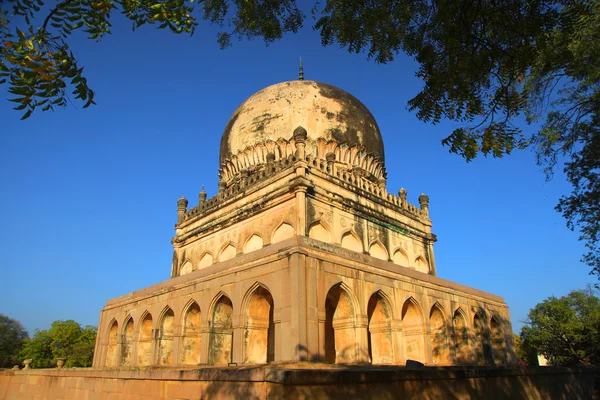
<point>305,374</point>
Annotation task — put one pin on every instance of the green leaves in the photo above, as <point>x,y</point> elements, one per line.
<point>566,330</point>
<point>39,69</point>
<point>63,339</point>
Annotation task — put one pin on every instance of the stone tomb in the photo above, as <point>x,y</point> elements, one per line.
<point>303,255</point>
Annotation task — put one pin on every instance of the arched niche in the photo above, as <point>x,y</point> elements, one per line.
<point>399,257</point>
<point>227,253</point>
<point>255,242</point>
<point>320,232</point>
<point>379,313</point>
<point>186,268</point>
<point>412,325</point>
<point>144,345</point>
<point>259,338</point>
<point>113,343</point>
<point>351,241</point>
<point>479,339</point>
<point>221,332</point>
<point>340,326</point>
<point>497,339</point>
<point>440,345</point>
<point>190,353</point>
<point>205,261</point>
<point>461,338</point>
<point>283,232</point>
<point>128,342</point>
<point>165,338</point>
<point>378,250</point>
<point>421,265</point>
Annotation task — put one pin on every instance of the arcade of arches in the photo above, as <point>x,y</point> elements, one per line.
<point>378,331</point>
<point>303,254</point>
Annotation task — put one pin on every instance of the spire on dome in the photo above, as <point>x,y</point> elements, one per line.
<point>301,72</point>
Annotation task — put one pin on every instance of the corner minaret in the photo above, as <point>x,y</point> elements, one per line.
<point>301,71</point>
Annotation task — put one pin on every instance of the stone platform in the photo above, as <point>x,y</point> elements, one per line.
<point>299,381</point>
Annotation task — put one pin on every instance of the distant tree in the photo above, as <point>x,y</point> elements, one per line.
<point>483,63</point>
<point>12,336</point>
<point>64,339</point>
<point>566,330</point>
<point>526,355</point>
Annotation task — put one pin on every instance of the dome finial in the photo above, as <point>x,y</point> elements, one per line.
<point>301,72</point>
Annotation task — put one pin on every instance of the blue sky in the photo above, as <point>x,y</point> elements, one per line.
<point>88,198</point>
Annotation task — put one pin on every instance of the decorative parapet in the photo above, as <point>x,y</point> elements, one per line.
<point>352,179</point>
<point>256,157</point>
<point>352,165</point>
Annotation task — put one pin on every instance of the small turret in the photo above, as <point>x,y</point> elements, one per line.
<point>424,203</point>
<point>182,204</point>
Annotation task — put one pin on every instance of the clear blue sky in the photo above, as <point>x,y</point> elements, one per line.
<point>88,196</point>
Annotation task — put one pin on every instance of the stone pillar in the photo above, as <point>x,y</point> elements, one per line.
<point>270,160</point>
<point>177,341</point>
<point>280,336</point>
<point>402,194</point>
<point>430,256</point>
<point>381,183</point>
<point>424,203</point>
<point>362,338</point>
<point>298,313</point>
<point>330,157</point>
<point>300,187</point>
<point>313,321</point>
<point>205,339</point>
<point>300,136</point>
<point>182,204</point>
<point>222,187</point>
<point>202,198</point>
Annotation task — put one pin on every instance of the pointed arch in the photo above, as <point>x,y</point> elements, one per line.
<point>380,339</point>
<point>254,242</point>
<point>320,231</point>
<point>128,341</point>
<point>186,268</point>
<point>421,265</point>
<point>440,344</point>
<point>113,343</point>
<point>351,241</point>
<point>414,333</point>
<point>284,231</point>
<point>228,251</point>
<point>206,260</point>
<point>462,352</point>
<point>191,335</point>
<point>165,336</point>
<point>144,342</point>
<point>378,250</point>
<point>400,257</point>
<point>221,331</point>
<point>259,335</point>
<point>340,325</point>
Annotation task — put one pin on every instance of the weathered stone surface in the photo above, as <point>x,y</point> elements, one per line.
<point>299,382</point>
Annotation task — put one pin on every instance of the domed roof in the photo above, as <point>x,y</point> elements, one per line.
<point>323,110</point>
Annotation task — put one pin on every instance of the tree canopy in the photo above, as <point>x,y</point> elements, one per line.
<point>64,339</point>
<point>484,64</point>
<point>565,330</point>
<point>12,336</point>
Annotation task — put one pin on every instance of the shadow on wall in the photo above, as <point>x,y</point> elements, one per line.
<point>386,382</point>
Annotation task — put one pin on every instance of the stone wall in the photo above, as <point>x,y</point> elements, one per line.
<point>299,382</point>
<point>304,300</point>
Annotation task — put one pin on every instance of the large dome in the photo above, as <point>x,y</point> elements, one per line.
<point>323,110</point>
